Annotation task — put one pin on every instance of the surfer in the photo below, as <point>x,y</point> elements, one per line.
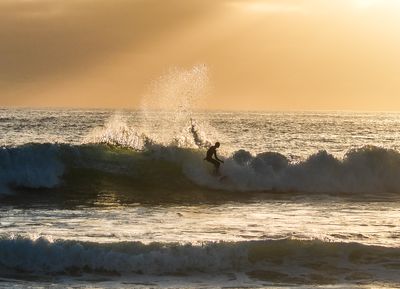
<point>212,151</point>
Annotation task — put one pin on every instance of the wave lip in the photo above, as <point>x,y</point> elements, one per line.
<point>300,260</point>
<point>363,170</point>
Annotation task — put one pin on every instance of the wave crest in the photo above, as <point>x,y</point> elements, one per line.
<point>303,259</point>
<point>363,170</point>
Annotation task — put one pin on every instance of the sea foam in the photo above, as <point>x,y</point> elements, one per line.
<point>364,170</point>
<point>31,166</point>
<point>304,259</point>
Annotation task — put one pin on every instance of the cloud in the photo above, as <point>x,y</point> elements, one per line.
<point>51,38</point>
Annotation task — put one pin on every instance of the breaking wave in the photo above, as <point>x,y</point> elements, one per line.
<point>140,161</point>
<point>290,260</point>
<point>363,170</point>
<point>33,166</point>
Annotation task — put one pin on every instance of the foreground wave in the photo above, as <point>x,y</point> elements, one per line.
<point>287,260</point>
<point>363,170</point>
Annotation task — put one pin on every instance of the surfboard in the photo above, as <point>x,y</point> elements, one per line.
<point>222,178</point>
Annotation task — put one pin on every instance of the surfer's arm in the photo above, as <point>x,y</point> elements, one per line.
<point>215,155</point>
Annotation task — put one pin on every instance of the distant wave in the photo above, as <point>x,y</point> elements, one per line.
<point>297,261</point>
<point>363,170</point>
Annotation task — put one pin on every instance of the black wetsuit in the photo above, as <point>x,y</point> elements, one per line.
<point>209,157</point>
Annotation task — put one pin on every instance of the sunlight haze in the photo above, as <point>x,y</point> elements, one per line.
<point>260,55</point>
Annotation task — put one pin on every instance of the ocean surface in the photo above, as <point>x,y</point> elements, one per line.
<point>123,199</point>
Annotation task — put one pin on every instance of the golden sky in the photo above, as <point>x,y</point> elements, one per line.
<point>260,54</point>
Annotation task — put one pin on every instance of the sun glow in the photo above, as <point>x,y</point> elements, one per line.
<point>385,4</point>
<point>261,54</point>
<point>365,3</point>
<point>266,7</point>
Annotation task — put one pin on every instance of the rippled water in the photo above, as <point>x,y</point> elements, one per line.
<point>297,134</point>
<point>331,219</point>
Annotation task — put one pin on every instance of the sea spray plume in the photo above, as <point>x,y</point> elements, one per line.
<point>167,117</point>
<point>192,136</point>
<point>198,136</point>
<point>168,107</point>
<point>178,91</point>
<point>117,132</point>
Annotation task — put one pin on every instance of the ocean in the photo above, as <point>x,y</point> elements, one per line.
<point>124,199</point>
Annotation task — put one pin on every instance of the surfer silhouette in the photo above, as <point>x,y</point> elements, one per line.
<point>212,151</point>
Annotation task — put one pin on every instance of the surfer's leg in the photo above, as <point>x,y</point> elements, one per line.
<point>216,165</point>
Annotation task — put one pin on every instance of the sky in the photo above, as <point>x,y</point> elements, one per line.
<point>259,54</point>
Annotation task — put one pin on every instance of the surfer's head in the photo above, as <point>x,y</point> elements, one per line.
<point>217,144</point>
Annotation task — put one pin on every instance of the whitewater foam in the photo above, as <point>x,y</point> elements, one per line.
<point>31,166</point>
<point>121,150</point>
<point>117,132</point>
<point>363,170</point>
<point>304,259</point>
